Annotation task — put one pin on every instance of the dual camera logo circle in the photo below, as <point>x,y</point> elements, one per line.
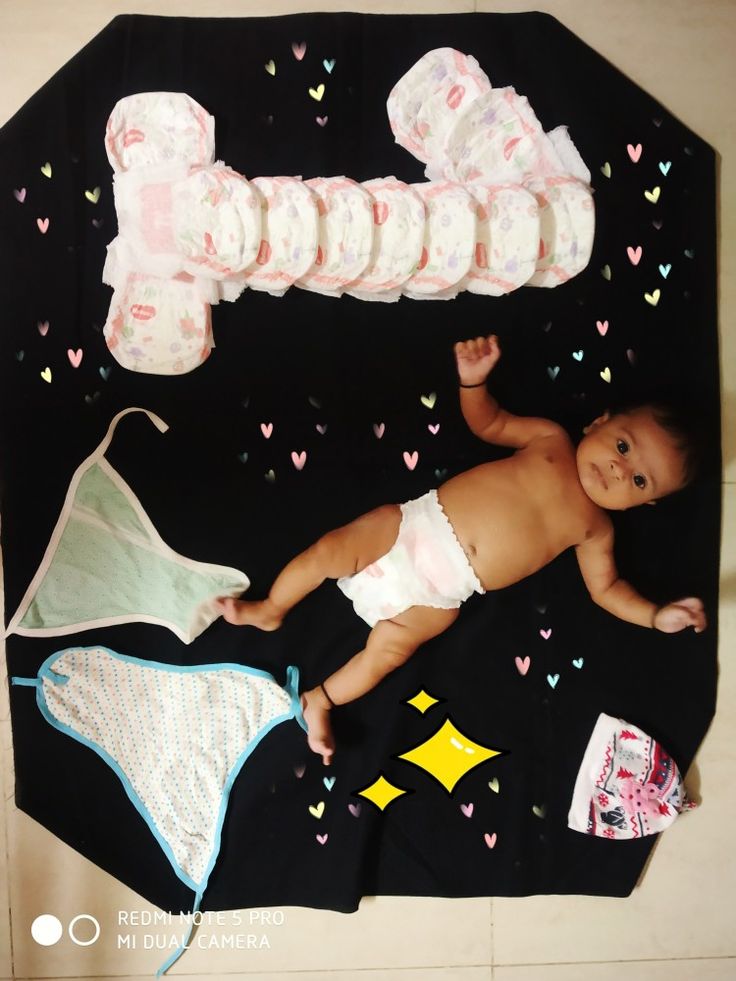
<point>48,929</point>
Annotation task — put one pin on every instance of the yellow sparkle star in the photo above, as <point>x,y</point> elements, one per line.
<point>449,755</point>
<point>381,792</point>
<point>422,701</point>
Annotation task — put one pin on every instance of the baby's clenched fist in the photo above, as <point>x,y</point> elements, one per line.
<point>476,358</point>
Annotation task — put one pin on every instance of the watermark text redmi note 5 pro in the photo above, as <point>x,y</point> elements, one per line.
<point>214,930</point>
<point>159,930</point>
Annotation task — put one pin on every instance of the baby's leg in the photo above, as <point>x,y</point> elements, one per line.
<point>390,644</point>
<point>342,552</point>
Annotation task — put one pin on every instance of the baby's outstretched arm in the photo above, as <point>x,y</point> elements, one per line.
<point>475,360</point>
<point>619,597</point>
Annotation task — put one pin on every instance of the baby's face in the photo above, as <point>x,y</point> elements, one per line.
<point>628,459</point>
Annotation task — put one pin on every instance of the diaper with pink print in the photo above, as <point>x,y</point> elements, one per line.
<point>505,205</point>
<point>184,225</point>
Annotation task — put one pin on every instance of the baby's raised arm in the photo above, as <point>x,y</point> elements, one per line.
<point>607,589</point>
<point>475,360</point>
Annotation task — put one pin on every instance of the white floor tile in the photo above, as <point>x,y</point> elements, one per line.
<point>683,908</point>
<point>423,974</point>
<point>717,969</point>
<point>6,964</point>
<point>46,876</point>
<point>6,790</point>
<point>651,43</point>
<point>38,38</point>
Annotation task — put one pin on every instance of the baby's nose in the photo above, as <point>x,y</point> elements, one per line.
<point>618,470</point>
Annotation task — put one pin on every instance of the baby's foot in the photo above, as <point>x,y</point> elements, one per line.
<point>319,729</point>
<point>254,613</point>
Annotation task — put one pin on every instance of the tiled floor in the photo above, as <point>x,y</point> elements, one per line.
<point>678,924</point>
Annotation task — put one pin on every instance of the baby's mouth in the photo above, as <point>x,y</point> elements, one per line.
<point>597,473</point>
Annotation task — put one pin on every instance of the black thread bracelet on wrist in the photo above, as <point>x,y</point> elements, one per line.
<point>324,692</point>
<point>477,385</point>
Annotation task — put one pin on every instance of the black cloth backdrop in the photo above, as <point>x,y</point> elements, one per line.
<point>305,360</point>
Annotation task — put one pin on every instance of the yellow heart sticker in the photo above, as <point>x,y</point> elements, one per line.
<point>46,375</point>
<point>317,810</point>
<point>653,298</point>
<point>429,400</point>
<point>606,374</point>
<point>46,169</point>
<point>93,196</point>
<point>653,195</point>
<point>270,67</point>
<point>606,169</point>
<point>318,92</point>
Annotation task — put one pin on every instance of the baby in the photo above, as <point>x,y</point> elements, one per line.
<point>408,568</point>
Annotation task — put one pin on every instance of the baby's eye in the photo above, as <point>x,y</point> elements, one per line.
<point>622,446</point>
<point>640,481</point>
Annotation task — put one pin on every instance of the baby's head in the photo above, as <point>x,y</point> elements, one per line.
<point>637,455</point>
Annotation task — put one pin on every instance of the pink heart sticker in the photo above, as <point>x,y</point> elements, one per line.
<point>299,459</point>
<point>321,120</point>
<point>75,357</point>
<point>322,839</point>
<point>602,326</point>
<point>467,809</point>
<point>43,225</point>
<point>634,152</point>
<point>321,429</point>
<point>43,327</point>
<point>379,428</point>
<point>634,254</point>
<point>20,194</point>
<point>546,634</point>
<point>434,429</point>
<point>299,770</point>
<point>490,840</point>
<point>410,459</point>
<point>267,429</point>
<point>522,664</point>
<point>299,49</point>
<point>354,810</point>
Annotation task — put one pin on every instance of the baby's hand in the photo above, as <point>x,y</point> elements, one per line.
<point>476,359</point>
<point>683,613</point>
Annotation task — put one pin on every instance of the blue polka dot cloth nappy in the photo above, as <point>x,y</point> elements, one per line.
<point>177,737</point>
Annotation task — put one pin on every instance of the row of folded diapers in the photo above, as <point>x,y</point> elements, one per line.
<point>505,205</point>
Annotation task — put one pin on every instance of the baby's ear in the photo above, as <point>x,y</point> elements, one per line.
<point>597,422</point>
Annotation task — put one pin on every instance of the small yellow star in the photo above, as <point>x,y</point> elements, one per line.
<point>381,792</point>
<point>422,701</point>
